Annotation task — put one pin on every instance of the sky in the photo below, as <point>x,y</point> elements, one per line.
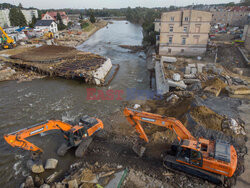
<point>81,4</point>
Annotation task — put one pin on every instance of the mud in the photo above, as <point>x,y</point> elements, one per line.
<point>45,53</point>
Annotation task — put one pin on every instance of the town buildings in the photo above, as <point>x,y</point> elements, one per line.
<point>53,16</point>
<point>184,32</point>
<point>46,26</point>
<point>230,16</point>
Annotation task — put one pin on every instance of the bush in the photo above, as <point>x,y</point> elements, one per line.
<point>84,25</point>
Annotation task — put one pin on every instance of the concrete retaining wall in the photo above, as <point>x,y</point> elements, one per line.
<point>163,50</point>
<point>101,73</point>
<point>161,83</point>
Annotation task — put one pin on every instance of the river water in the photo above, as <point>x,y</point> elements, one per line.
<point>27,103</point>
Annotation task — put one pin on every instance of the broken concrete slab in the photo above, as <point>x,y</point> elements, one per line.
<point>176,77</point>
<point>168,59</point>
<point>191,81</point>
<point>193,70</point>
<point>200,67</point>
<point>189,76</point>
<point>51,164</point>
<point>180,84</point>
<point>187,70</point>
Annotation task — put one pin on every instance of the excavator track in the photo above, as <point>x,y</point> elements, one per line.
<point>171,164</point>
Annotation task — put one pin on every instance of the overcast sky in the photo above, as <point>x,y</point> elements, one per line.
<point>44,4</point>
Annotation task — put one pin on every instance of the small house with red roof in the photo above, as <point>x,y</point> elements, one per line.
<point>53,16</point>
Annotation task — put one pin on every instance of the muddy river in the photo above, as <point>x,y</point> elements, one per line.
<point>25,104</point>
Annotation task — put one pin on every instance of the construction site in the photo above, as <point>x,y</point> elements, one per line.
<point>175,121</point>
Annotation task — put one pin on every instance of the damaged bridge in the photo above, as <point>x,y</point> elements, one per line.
<point>65,62</point>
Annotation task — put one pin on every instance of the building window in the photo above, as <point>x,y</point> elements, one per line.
<point>171,28</point>
<point>183,42</point>
<point>172,18</point>
<point>185,29</point>
<point>196,40</point>
<point>169,50</point>
<point>170,40</point>
<point>197,28</point>
<point>186,19</point>
<point>182,50</point>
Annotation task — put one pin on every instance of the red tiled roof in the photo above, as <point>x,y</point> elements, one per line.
<point>54,14</point>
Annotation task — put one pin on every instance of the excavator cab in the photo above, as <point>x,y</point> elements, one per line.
<point>189,156</point>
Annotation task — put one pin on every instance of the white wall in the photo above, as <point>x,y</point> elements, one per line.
<point>4,18</point>
<point>28,14</point>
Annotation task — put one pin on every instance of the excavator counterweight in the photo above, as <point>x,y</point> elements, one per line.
<point>207,159</point>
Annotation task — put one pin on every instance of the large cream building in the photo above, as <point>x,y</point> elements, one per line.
<point>4,18</point>
<point>184,32</point>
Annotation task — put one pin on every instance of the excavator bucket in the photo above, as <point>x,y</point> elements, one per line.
<point>139,149</point>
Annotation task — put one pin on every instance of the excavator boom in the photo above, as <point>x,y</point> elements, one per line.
<point>73,134</point>
<point>134,116</point>
<point>17,139</point>
<point>200,157</point>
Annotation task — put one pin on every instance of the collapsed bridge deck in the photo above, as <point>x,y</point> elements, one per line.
<point>66,62</point>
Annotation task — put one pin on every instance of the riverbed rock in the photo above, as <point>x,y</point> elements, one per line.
<point>59,185</point>
<point>35,167</point>
<point>38,181</point>
<point>29,183</point>
<point>45,186</point>
<point>51,164</point>
<point>73,183</point>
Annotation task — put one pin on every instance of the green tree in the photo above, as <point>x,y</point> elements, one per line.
<point>60,25</point>
<point>245,2</point>
<point>33,22</point>
<point>17,18</point>
<point>92,18</point>
<point>20,6</point>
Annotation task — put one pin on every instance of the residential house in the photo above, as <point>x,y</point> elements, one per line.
<point>46,26</point>
<point>28,14</point>
<point>231,16</point>
<point>4,18</point>
<point>184,32</point>
<point>53,16</point>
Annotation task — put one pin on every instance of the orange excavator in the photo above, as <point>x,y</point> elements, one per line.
<point>76,136</point>
<point>208,159</point>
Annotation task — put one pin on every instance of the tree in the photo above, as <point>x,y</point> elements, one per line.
<point>92,18</point>
<point>20,6</point>
<point>245,2</point>
<point>33,22</point>
<point>61,26</point>
<point>17,18</point>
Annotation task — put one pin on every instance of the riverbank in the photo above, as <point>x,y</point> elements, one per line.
<point>74,38</point>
